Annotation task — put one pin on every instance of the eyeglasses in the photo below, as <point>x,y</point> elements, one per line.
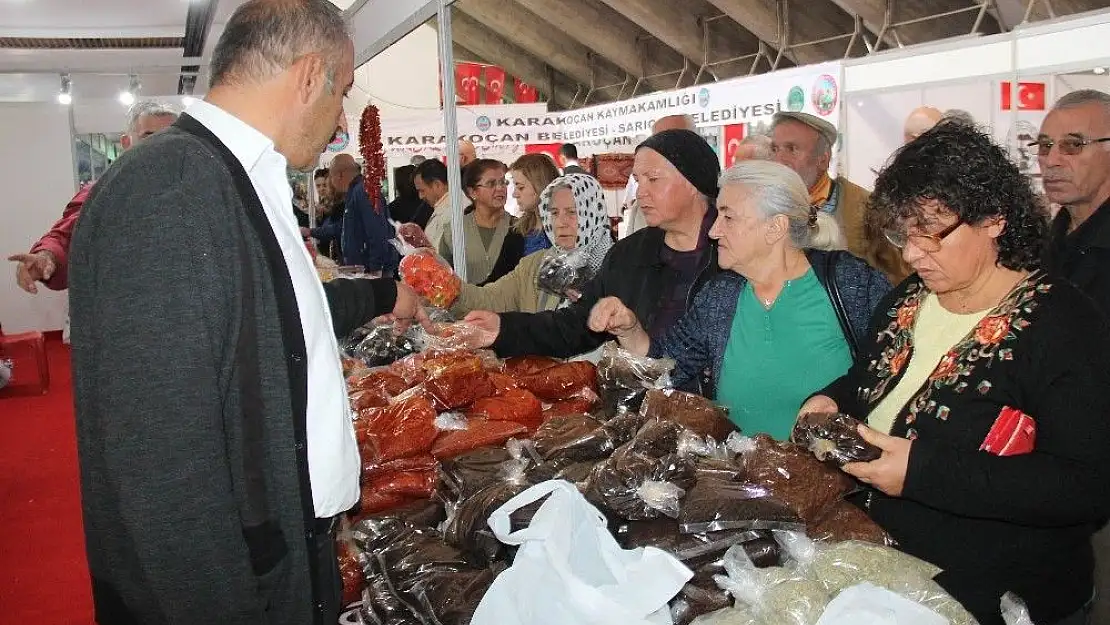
<point>494,184</point>
<point>928,243</point>
<point>1069,146</point>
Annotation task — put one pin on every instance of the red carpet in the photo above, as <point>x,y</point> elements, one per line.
<point>43,574</point>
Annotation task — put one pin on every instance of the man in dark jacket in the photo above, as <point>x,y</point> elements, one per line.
<point>204,340</point>
<point>1075,162</point>
<point>366,228</point>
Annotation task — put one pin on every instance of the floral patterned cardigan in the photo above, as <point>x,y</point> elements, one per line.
<point>1014,511</point>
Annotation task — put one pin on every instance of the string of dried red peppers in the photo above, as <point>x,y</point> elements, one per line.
<point>370,145</point>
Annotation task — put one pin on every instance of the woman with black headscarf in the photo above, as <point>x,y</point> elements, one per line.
<point>655,271</point>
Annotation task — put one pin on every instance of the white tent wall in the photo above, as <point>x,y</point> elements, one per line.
<point>37,179</point>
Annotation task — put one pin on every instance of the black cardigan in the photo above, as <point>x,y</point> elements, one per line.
<point>632,270</point>
<point>996,524</point>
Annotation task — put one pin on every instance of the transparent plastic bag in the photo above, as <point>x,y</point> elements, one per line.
<point>779,593</point>
<point>844,521</point>
<point>431,278</point>
<point>845,564</point>
<point>451,422</point>
<point>622,375</point>
<point>1014,610</point>
<point>446,337</point>
<point>466,525</point>
<point>931,595</point>
<point>568,380</point>
<point>406,428</point>
<point>833,437</point>
<point>410,238</point>
<point>694,412</point>
<point>565,273</point>
<point>636,486</point>
<point>378,344</point>
<point>714,505</point>
<point>795,477</point>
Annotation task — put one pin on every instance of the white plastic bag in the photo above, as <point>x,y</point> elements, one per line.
<point>570,570</point>
<point>867,604</point>
<point>1014,610</point>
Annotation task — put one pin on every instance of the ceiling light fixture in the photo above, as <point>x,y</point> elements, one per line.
<point>65,96</point>
<point>127,98</point>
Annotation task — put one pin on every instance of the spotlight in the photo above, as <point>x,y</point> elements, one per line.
<point>127,98</point>
<point>65,96</point>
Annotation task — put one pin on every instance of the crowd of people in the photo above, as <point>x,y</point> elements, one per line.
<point>946,309</point>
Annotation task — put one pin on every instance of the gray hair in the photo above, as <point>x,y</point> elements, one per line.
<point>762,145</point>
<point>264,37</point>
<point>957,116</point>
<point>147,108</point>
<point>781,191</point>
<point>1083,97</point>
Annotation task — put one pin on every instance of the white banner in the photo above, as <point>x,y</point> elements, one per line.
<point>618,126</point>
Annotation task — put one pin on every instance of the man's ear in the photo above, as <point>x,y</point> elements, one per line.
<point>309,75</point>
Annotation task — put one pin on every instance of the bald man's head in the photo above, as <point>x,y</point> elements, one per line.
<point>673,122</point>
<point>467,153</point>
<point>919,121</point>
<point>342,171</point>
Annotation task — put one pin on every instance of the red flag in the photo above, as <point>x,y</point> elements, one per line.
<point>526,93</point>
<point>1031,96</point>
<point>734,134</point>
<point>495,84</point>
<point>466,83</point>
<point>550,149</point>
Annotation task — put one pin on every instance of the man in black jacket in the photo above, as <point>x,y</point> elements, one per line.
<point>215,441</point>
<point>1074,152</point>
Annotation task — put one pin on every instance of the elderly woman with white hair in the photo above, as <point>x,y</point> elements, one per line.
<point>784,317</point>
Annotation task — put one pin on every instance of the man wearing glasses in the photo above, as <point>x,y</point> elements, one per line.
<point>1074,152</point>
<point>1074,155</point>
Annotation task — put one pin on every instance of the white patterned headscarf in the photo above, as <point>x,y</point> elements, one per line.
<point>594,235</point>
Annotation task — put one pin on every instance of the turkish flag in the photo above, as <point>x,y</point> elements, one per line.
<point>526,93</point>
<point>550,149</point>
<point>466,83</point>
<point>1031,96</point>
<point>734,134</point>
<point>495,84</point>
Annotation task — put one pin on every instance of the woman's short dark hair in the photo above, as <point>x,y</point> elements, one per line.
<point>472,173</point>
<point>402,178</point>
<point>964,170</point>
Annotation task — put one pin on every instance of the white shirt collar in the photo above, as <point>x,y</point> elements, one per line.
<point>571,163</point>
<point>245,141</point>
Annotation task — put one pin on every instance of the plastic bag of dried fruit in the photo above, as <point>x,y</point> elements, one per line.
<point>431,278</point>
<point>622,375</point>
<point>410,238</point>
<point>833,437</point>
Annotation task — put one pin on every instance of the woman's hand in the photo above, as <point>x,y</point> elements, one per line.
<point>818,403</point>
<point>408,309</point>
<point>888,473</point>
<point>488,324</point>
<point>611,315</point>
